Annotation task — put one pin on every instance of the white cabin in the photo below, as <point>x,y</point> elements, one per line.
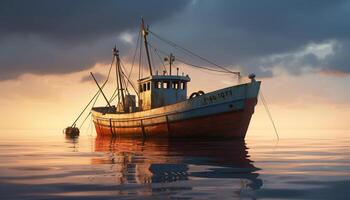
<point>161,90</point>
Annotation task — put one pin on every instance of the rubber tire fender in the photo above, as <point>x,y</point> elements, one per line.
<point>200,92</point>
<point>194,94</point>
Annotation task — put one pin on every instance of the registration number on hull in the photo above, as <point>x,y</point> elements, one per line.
<point>214,98</point>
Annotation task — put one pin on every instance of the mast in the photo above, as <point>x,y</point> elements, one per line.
<point>116,74</point>
<point>145,33</point>
<point>119,77</point>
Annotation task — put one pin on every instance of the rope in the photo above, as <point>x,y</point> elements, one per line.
<point>268,113</point>
<point>89,112</point>
<point>128,79</point>
<point>187,63</point>
<point>114,92</point>
<point>88,128</point>
<point>133,60</point>
<point>151,57</point>
<point>173,44</point>
<point>160,58</point>
<point>109,72</point>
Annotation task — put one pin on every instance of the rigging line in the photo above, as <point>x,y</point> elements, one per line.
<point>112,96</point>
<point>156,49</point>
<point>116,89</point>
<point>151,56</point>
<point>123,75</point>
<point>201,67</point>
<point>187,63</point>
<point>119,82</point>
<point>84,120</point>
<point>160,58</point>
<point>91,121</point>
<point>128,79</point>
<point>112,99</point>
<point>268,113</point>
<point>88,128</point>
<point>170,43</point>
<point>133,60</point>
<point>90,111</point>
<point>120,79</point>
<point>126,89</point>
<point>190,52</point>
<point>109,72</point>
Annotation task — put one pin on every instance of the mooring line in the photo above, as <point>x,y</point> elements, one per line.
<point>268,113</point>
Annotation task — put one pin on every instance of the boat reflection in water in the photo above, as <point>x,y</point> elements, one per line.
<point>187,164</point>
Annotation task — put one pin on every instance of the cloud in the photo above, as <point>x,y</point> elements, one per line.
<point>239,33</point>
<point>79,21</point>
<point>311,58</point>
<point>127,37</point>
<point>46,36</point>
<point>340,60</point>
<point>329,58</point>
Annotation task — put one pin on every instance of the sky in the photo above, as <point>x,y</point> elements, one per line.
<point>299,49</point>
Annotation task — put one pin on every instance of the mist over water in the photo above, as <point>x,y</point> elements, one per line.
<point>308,164</point>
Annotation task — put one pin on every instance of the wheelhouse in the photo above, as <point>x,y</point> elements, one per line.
<point>161,90</point>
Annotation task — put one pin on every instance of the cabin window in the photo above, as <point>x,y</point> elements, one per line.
<point>140,88</point>
<point>175,85</point>
<point>166,84</point>
<point>183,85</point>
<point>157,84</point>
<point>144,87</point>
<point>148,86</point>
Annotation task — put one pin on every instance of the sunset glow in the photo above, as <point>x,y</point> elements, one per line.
<point>51,101</point>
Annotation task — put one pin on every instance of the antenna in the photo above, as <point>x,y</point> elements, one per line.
<point>170,59</point>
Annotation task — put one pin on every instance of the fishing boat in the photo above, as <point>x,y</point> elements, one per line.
<point>161,107</point>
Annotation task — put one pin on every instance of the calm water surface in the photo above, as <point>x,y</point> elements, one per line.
<point>46,165</point>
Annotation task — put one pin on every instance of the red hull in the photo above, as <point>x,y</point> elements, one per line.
<point>232,124</point>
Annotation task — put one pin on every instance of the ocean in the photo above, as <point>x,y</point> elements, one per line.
<point>303,164</point>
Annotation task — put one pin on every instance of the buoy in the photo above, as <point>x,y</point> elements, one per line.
<point>71,131</point>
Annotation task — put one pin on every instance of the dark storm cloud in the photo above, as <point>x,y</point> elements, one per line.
<point>75,21</point>
<point>340,61</point>
<point>65,36</point>
<point>245,32</point>
<point>49,36</point>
